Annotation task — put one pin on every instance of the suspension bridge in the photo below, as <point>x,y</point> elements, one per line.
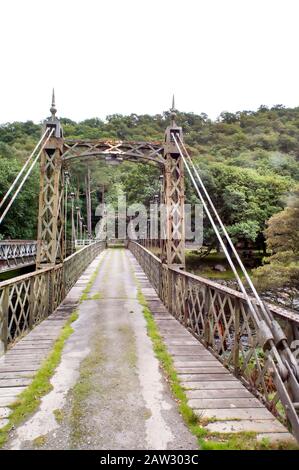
<point>233,353</point>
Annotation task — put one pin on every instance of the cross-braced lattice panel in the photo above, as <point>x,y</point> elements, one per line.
<point>47,218</point>
<point>3,319</point>
<point>50,231</point>
<point>18,309</point>
<point>222,309</point>
<point>197,308</point>
<point>39,297</point>
<point>76,264</point>
<point>178,296</point>
<point>155,273</point>
<point>57,287</point>
<point>164,285</point>
<point>173,244</point>
<point>257,366</point>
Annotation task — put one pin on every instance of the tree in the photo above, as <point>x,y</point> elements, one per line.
<point>282,238</point>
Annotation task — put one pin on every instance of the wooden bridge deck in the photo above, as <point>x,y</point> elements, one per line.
<point>19,365</point>
<point>212,391</point>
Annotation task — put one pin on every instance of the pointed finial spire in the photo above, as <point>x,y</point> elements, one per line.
<point>53,109</point>
<point>172,111</point>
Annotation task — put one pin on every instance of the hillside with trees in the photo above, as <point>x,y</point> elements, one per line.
<point>248,160</point>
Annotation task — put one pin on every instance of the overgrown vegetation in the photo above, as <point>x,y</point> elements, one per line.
<point>282,238</point>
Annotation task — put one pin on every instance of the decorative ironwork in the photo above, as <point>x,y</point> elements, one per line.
<point>219,317</point>
<point>26,300</point>
<point>173,243</point>
<point>15,253</point>
<point>113,151</point>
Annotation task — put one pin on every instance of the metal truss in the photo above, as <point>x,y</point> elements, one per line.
<point>50,249</point>
<point>14,253</point>
<point>113,151</point>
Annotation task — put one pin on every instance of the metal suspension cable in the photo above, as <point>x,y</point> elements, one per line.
<point>272,323</point>
<point>23,168</point>
<point>77,200</point>
<point>243,290</point>
<point>276,331</point>
<point>244,270</point>
<point>25,178</point>
<point>65,209</point>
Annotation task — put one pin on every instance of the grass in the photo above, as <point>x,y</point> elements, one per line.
<point>89,285</point>
<point>204,266</point>
<point>59,415</point>
<point>39,441</point>
<point>206,439</point>
<point>29,400</point>
<point>83,388</point>
<point>97,296</point>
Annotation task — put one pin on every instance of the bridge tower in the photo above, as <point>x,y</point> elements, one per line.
<point>50,239</point>
<point>173,240</point>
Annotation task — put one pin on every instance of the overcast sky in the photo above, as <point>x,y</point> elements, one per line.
<point>129,56</point>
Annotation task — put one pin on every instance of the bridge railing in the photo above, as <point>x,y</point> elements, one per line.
<point>220,318</point>
<point>84,242</point>
<point>16,252</point>
<point>26,300</point>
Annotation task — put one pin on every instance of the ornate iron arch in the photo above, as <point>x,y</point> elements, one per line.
<point>110,149</point>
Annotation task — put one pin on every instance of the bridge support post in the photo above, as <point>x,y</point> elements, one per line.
<point>173,240</point>
<point>4,320</point>
<point>173,243</point>
<point>50,239</point>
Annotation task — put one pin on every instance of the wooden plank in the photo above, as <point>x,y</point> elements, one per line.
<point>276,437</point>
<point>203,356</point>
<point>21,368</point>
<point>32,348</point>
<point>201,370</point>
<point>19,374</point>
<point>235,413</point>
<point>186,350</point>
<point>222,403</point>
<point>27,356</point>
<point>213,385</point>
<point>4,412</point>
<point>256,425</point>
<point>221,393</point>
<point>209,362</point>
<point>3,422</point>
<point>205,377</point>
<point>7,401</point>
<point>15,382</point>
<point>181,342</point>
<point>10,391</point>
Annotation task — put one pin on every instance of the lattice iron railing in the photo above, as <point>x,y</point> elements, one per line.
<point>220,318</point>
<point>26,300</point>
<point>14,253</point>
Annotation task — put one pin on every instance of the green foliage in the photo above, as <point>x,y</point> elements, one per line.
<point>248,160</point>
<point>21,220</point>
<point>282,238</point>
